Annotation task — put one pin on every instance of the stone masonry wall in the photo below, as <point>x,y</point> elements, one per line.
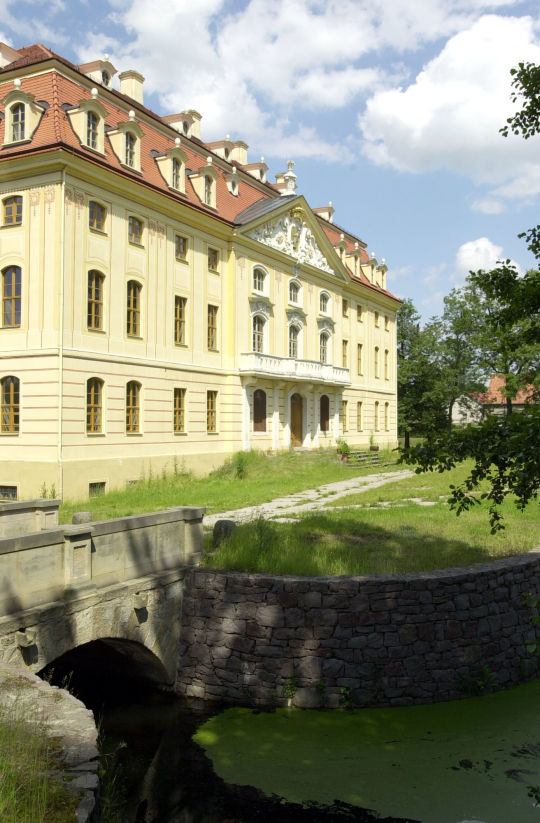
<point>391,640</point>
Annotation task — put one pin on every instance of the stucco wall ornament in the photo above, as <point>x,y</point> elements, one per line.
<point>260,307</point>
<point>290,235</point>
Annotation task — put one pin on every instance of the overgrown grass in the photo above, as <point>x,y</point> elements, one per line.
<point>401,537</point>
<point>31,790</point>
<point>247,479</point>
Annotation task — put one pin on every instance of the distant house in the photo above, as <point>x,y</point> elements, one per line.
<point>476,407</point>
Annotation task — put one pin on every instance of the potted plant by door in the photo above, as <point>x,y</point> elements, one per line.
<point>343,449</point>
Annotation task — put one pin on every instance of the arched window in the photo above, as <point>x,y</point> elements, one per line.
<point>95,300</point>
<point>11,297</point>
<point>130,141</point>
<point>386,416</point>
<point>376,361</point>
<point>94,412</point>
<point>323,302</point>
<point>324,413</point>
<point>258,333</point>
<point>359,421</point>
<point>323,347</point>
<point>133,390</point>
<point>133,305</point>
<point>92,124</point>
<point>259,276</point>
<point>294,291</point>
<point>386,363</point>
<point>208,183</point>
<point>12,207</point>
<point>17,121</point>
<point>259,410</point>
<point>96,216</point>
<point>175,177</point>
<point>10,396</point>
<point>293,341</point>
<point>135,230</point>
<point>376,416</point>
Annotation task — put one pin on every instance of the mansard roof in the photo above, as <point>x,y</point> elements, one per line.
<point>60,86</point>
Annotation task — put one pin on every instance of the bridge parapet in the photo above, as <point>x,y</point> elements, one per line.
<point>43,566</point>
<point>24,516</point>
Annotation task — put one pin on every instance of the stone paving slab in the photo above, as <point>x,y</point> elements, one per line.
<point>307,500</point>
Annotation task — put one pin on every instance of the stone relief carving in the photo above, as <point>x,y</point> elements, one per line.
<point>325,324</point>
<point>290,235</point>
<point>260,307</point>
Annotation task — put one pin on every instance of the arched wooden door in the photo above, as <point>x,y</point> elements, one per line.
<point>297,435</point>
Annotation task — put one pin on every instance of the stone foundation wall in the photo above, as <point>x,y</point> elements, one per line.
<point>390,640</point>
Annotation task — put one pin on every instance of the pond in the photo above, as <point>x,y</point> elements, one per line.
<point>467,760</point>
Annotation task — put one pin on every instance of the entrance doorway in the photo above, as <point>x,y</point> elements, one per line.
<point>297,434</point>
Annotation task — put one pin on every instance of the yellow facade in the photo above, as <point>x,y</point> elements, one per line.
<point>149,334</point>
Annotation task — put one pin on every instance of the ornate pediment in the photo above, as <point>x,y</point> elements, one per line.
<point>291,235</point>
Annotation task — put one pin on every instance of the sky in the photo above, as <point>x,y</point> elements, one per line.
<point>391,109</point>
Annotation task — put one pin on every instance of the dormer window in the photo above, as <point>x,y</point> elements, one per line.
<point>105,78</point>
<point>129,156</point>
<point>18,115</point>
<point>208,184</point>
<point>175,173</point>
<point>185,127</point>
<point>205,183</point>
<point>92,122</point>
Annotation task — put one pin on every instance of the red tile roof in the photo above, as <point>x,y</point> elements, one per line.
<point>494,394</point>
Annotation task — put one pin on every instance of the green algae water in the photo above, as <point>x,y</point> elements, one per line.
<point>467,760</point>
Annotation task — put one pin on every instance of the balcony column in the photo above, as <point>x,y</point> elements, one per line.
<point>275,415</point>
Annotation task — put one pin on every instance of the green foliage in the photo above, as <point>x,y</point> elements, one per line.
<point>342,446</point>
<point>290,687</point>
<point>480,684</point>
<point>346,698</point>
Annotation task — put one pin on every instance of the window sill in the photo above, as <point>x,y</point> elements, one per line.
<point>11,328</point>
<point>134,434</point>
<point>96,331</point>
<point>180,434</point>
<point>181,260</point>
<point>12,225</point>
<point>95,434</point>
<point>9,434</point>
<point>181,345</point>
<point>100,232</point>
<point>134,243</point>
<point>214,434</point>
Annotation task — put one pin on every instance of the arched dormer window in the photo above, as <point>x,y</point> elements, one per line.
<point>125,140</point>
<point>323,347</point>
<point>175,173</point>
<point>324,413</point>
<point>10,404</point>
<point>208,189</point>
<point>259,410</point>
<point>258,334</point>
<point>92,129</point>
<point>88,122</point>
<point>18,122</point>
<point>205,183</point>
<point>324,302</point>
<point>172,167</point>
<point>129,146</point>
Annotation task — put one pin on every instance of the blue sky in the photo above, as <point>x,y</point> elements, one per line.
<point>390,109</point>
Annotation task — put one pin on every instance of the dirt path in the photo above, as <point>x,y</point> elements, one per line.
<point>309,499</point>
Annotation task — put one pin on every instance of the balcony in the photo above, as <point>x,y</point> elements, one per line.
<point>287,368</point>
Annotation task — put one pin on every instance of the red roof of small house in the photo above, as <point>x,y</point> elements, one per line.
<point>494,395</point>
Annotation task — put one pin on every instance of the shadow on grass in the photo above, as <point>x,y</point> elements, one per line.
<point>323,545</point>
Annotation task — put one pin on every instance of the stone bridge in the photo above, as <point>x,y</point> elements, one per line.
<point>118,581</point>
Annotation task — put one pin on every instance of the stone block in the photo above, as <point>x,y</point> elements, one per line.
<point>270,616</point>
<point>307,698</point>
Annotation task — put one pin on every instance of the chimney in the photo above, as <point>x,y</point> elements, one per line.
<point>7,55</point>
<point>326,212</point>
<point>131,84</point>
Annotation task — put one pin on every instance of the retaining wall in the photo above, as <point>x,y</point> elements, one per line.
<point>390,639</point>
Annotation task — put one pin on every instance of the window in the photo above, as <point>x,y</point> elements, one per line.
<point>180,247</point>
<point>360,358</point>
<point>96,216</point>
<point>293,341</point>
<point>135,230</point>
<point>94,391</point>
<point>323,347</point>
<point>212,328</point>
<point>213,259</point>
<point>179,411</point>
<point>259,276</point>
<point>259,410</point>
<point>386,363</point>
<point>180,321</point>
<point>323,303</point>
<point>133,390</point>
<point>96,489</point>
<point>294,292</point>
<point>324,413</point>
<point>376,318</point>
<point>17,122</point>
<point>129,144</point>
<point>12,210</point>
<point>92,123</point>
<point>95,300</point>
<point>208,184</point>
<point>211,411</point>
<point>133,321</point>
<point>376,361</point>
<point>8,492</point>
<point>345,415</point>
<point>376,415</point>
<point>345,307</point>
<point>10,395</point>
<point>175,173</point>
<point>359,314</point>
<point>359,422</point>
<point>345,353</point>
<point>386,416</point>
<point>11,297</point>
<point>258,334</point>
<point>386,323</point>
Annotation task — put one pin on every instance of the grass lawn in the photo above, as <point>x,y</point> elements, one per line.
<point>248,479</point>
<point>385,533</point>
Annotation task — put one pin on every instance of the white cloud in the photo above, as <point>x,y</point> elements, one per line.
<point>450,117</point>
<point>476,254</point>
<point>487,205</point>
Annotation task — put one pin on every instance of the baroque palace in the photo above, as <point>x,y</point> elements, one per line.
<point>164,304</point>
